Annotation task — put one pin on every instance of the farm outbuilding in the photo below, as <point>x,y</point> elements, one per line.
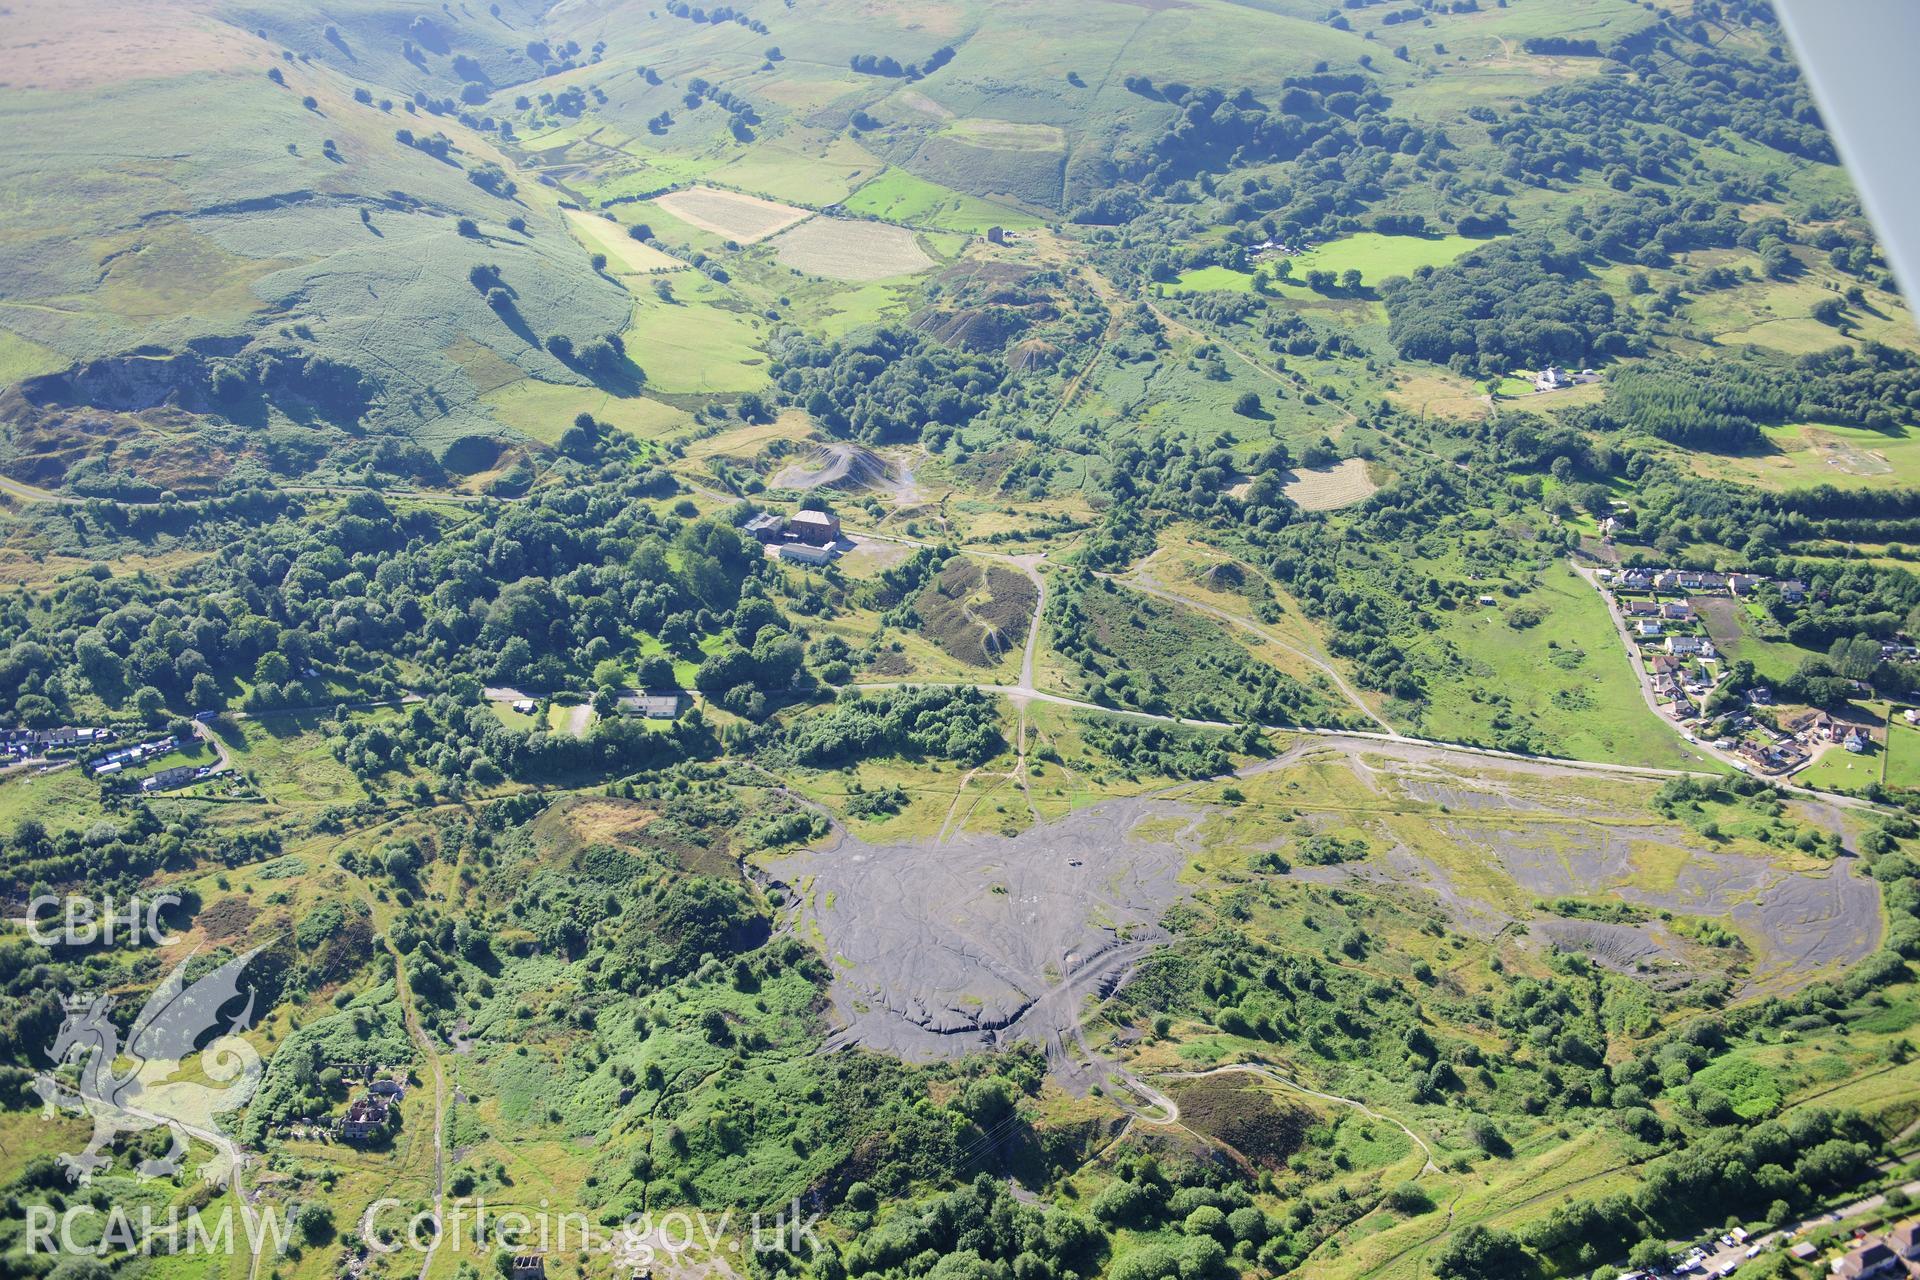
<point>800,553</point>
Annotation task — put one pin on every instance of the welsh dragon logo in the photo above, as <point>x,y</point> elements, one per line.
<point>151,1082</point>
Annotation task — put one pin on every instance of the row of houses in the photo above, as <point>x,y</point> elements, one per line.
<point>1702,582</point>
<point>139,753</point>
<point>31,744</point>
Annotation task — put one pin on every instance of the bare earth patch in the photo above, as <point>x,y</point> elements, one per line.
<point>741,218</point>
<point>842,249</point>
<point>1507,843</point>
<point>1846,457</point>
<point>944,949</point>
<point>1328,488</point>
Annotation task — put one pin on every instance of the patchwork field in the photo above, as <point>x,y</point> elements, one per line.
<point>703,341</point>
<point>899,196</point>
<point>1006,135</point>
<point>1375,256</point>
<point>734,215</point>
<point>1545,663</point>
<point>625,254</point>
<point>1330,488</point>
<point>1902,764</point>
<point>544,410</point>
<point>842,249</point>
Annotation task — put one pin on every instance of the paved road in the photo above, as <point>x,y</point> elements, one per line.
<point>29,492</point>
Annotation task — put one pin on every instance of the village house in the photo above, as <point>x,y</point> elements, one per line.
<point>1816,726</point>
<point>1760,696</point>
<point>1690,646</point>
<point>1641,608</point>
<point>1677,610</point>
<point>1857,741</point>
<point>1867,1260</point>
<point>1552,379</point>
<point>1793,591</point>
<point>1646,628</point>
<point>1742,584</point>
<point>167,779</point>
<point>1665,664</point>
<point>1895,1254</point>
<point>816,528</point>
<point>654,706</point>
<point>1635,580</point>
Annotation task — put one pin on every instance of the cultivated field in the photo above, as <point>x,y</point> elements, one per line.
<point>625,255</point>
<point>1330,488</point>
<point>842,249</point>
<point>1006,135</point>
<point>741,218</point>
